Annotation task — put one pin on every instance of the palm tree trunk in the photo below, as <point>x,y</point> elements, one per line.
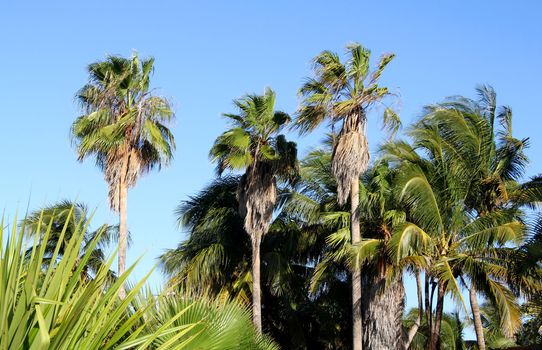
<point>256,290</point>
<point>428,306</point>
<point>123,233</point>
<point>478,328</point>
<point>382,312</point>
<point>414,329</point>
<point>435,331</point>
<point>357,328</point>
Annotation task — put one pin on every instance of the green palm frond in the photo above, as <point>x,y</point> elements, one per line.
<point>409,240</point>
<point>340,89</point>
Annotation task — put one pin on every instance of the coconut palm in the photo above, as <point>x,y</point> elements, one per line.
<point>344,93</point>
<point>254,145</point>
<point>477,136</point>
<point>62,219</point>
<point>459,245</point>
<point>124,127</point>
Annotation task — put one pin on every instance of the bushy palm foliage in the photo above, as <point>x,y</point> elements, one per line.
<point>254,145</point>
<point>527,262</point>
<point>124,127</point>
<point>215,257</point>
<point>191,322</point>
<point>494,335</point>
<point>295,317</point>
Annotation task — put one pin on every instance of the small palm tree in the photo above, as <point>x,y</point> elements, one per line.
<point>254,145</point>
<point>60,221</point>
<point>451,332</point>
<point>344,93</point>
<point>124,126</point>
<point>213,259</point>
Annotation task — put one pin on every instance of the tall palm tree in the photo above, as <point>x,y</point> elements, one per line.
<point>60,221</point>
<point>125,127</point>
<point>344,92</point>
<point>254,145</point>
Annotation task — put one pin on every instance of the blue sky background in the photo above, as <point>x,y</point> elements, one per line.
<point>208,53</point>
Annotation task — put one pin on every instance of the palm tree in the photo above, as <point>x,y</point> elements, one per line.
<point>213,258</point>
<point>490,158</point>
<point>527,263</point>
<point>124,126</point>
<point>60,221</point>
<point>459,245</point>
<point>254,145</point>
<point>344,92</point>
<point>494,335</point>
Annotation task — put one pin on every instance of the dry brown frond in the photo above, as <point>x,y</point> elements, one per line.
<point>350,155</point>
<point>257,194</point>
<point>119,164</point>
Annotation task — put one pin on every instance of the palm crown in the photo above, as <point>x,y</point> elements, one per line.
<point>254,138</point>
<point>123,124</point>
<point>344,92</point>
<point>477,134</point>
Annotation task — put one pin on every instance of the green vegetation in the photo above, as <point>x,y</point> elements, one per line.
<point>291,253</point>
<point>49,301</point>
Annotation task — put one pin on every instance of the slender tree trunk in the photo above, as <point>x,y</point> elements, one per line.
<point>435,331</point>
<point>478,328</point>
<point>357,328</point>
<point>256,290</point>
<point>382,310</point>
<point>428,308</point>
<point>414,329</point>
<point>123,233</point>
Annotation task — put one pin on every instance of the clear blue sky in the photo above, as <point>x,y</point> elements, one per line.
<point>208,53</point>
